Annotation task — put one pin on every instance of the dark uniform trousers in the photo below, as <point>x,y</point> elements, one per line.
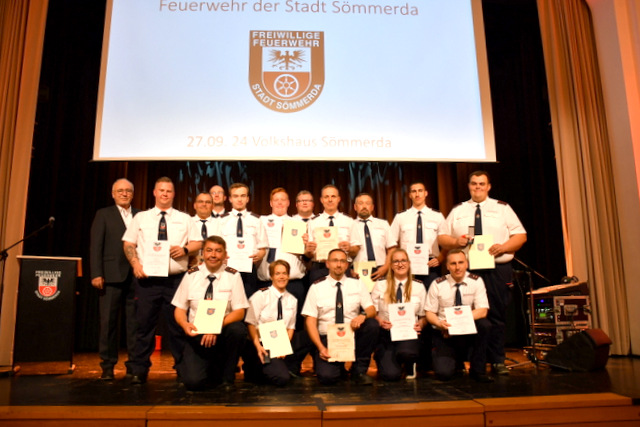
<point>111,299</point>
<point>499,295</point>
<point>153,296</point>
<point>390,355</point>
<point>250,281</point>
<point>450,353</point>
<point>425,339</point>
<point>275,372</point>
<point>366,337</point>
<point>201,366</point>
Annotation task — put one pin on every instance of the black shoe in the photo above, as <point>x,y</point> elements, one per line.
<point>480,377</point>
<point>499,369</point>
<point>138,379</point>
<point>107,374</point>
<point>362,379</point>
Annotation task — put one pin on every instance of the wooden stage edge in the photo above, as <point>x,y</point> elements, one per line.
<point>605,409</point>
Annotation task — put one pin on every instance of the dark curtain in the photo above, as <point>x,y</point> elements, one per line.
<point>66,184</point>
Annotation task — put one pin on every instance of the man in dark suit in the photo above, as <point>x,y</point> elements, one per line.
<point>111,275</point>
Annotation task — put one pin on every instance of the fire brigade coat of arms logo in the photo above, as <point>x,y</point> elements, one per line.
<point>286,68</point>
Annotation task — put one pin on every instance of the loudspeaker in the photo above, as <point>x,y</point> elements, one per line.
<point>582,352</point>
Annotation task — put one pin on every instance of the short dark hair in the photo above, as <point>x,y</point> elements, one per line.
<point>456,251</point>
<point>216,239</point>
<point>335,250</point>
<point>480,173</point>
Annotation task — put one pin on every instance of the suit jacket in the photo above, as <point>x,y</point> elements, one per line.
<point>107,257</point>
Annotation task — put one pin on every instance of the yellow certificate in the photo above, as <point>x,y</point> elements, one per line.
<point>479,256</point>
<point>341,343</point>
<point>209,316</point>
<point>274,338</point>
<point>292,231</point>
<point>364,270</point>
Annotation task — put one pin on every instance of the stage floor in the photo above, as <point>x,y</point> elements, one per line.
<point>82,387</point>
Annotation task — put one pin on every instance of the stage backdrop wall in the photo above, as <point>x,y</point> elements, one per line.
<point>66,185</point>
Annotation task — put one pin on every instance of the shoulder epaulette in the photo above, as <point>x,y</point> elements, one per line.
<point>193,269</point>
<point>320,280</point>
<point>474,276</point>
<point>441,279</point>
<point>255,214</point>
<point>418,281</point>
<point>459,204</point>
<point>263,289</point>
<point>500,202</point>
<point>225,215</point>
<point>230,270</point>
<point>315,217</point>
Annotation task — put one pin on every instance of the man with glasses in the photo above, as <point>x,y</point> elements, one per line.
<point>111,275</point>
<point>304,206</point>
<point>338,299</point>
<point>203,221</point>
<point>218,195</point>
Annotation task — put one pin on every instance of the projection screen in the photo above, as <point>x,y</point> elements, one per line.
<point>294,80</point>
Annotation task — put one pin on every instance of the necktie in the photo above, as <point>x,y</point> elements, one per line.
<point>399,293</point>
<point>162,227</point>
<point>305,219</point>
<point>371,255</point>
<point>209,293</point>
<point>239,229</point>
<point>458,301</point>
<point>339,307</point>
<point>478,222</point>
<point>330,220</point>
<point>271,256</point>
<point>215,215</point>
<point>203,231</point>
<point>279,308</point>
<point>419,228</point>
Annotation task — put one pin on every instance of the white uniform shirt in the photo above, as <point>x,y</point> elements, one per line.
<point>263,307</point>
<point>210,223</point>
<point>405,225</point>
<point>442,293</point>
<point>381,239</point>
<point>227,287</point>
<point>340,220</point>
<point>143,230</point>
<point>418,298</point>
<point>498,220</point>
<point>321,300</point>
<point>273,225</point>
<point>252,228</point>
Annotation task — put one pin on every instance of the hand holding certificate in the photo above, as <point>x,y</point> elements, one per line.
<point>156,259</point>
<point>460,320</point>
<point>341,343</point>
<point>479,256</point>
<point>403,320</point>
<point>209,316</point>
<point>274,338</point>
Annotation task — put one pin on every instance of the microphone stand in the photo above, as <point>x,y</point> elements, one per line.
<point>4,253</point>
<point>533,358</point>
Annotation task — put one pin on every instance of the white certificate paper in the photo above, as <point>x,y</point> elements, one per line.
<point>364,270</point>
<point>156,259</point>
<point>402,319</point>
<point>275,338</point>
<point>327,239</point>
<point>209,316</point>
<point>341,343</point>
<point>239,250</point>
<point>419,257</point>
<point>479,256</point>
<point>461,320</point>
<point>292,231</point>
